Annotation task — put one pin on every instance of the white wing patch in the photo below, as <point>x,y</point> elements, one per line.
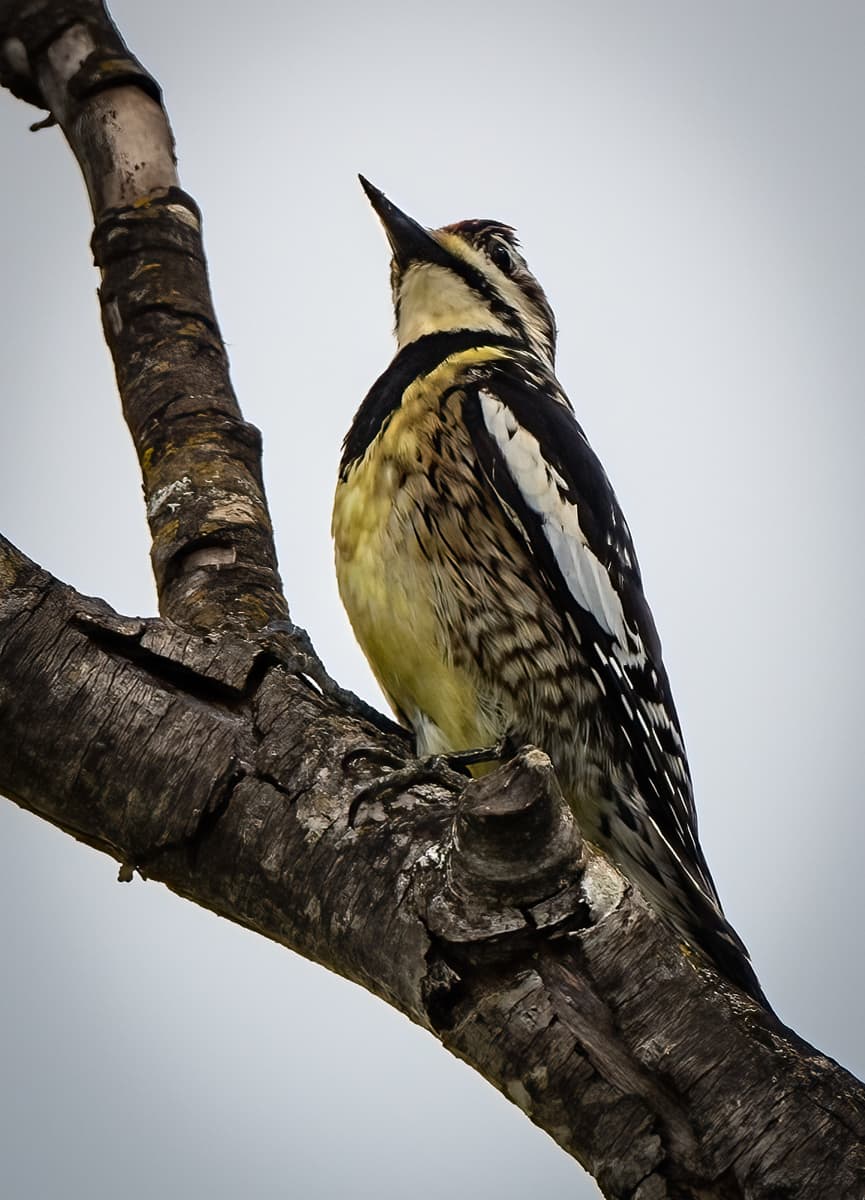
<point>542,487</point>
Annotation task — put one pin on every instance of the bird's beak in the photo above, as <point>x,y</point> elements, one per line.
<point>409,241</point>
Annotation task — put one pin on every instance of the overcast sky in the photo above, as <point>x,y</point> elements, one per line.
<point>688,181</point>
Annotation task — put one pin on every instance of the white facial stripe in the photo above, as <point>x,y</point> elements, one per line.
<point>534,327</point>
<point>508,289</point>
<point>433,299</point>
<point>586,577</point>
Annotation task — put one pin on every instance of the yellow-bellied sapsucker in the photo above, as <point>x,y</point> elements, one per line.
<point>489,574</point>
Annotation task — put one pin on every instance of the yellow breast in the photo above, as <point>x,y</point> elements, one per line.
<point>390,586</point>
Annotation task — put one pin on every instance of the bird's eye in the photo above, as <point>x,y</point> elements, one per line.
<point>501,257</point>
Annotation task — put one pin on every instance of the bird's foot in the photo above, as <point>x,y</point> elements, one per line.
<point>400,777</point>
<point>449,771</point>
<point>461,759</point>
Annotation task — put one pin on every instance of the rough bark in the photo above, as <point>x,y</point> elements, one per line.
<point>209,750</point>
<point>213,553</point>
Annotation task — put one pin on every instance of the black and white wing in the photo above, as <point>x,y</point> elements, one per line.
<point>554,491</point>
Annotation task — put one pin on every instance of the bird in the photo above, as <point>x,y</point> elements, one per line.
<point>489,574</point>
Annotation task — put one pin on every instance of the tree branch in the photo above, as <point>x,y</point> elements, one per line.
<point>207,765</point>
<point>213,554</point>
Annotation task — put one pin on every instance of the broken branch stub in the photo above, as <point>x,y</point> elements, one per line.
<point>513,862</point>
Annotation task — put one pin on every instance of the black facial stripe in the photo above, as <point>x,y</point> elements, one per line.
<point>483,235</point>
<point>479,283</point>
<point>477,234</point>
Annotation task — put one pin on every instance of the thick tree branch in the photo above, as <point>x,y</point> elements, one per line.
<point>206,764</point>
<point>204,757</point>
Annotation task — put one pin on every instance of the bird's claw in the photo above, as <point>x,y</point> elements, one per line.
<point>449,771</point>
<point>435,769</point>
<point>502,750</point>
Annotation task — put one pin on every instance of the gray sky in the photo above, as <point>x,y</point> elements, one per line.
<point>688,182</point>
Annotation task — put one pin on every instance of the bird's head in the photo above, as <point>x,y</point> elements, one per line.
<point>470,275</point>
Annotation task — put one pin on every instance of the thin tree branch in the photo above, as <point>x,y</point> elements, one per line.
<point>213,553</point>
